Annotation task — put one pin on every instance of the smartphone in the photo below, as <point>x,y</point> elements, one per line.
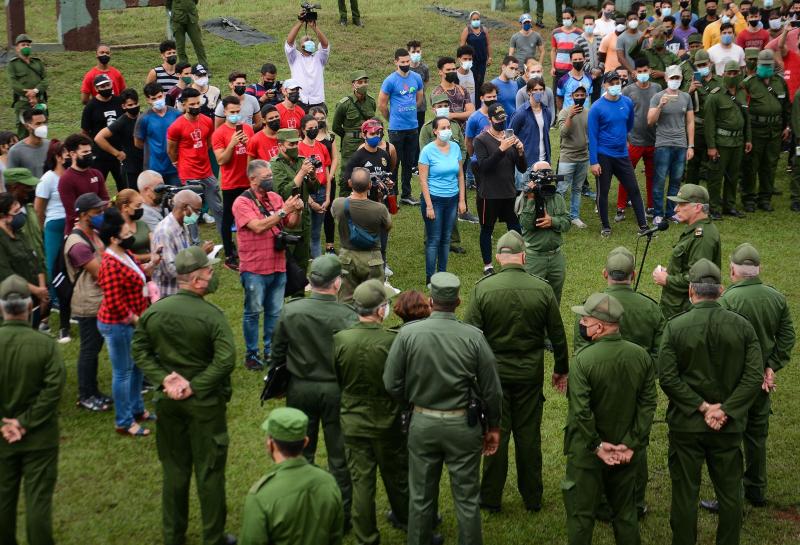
<point>295,191</point>
<point>238,128</point>
<point>672,97</point>
<point>698,77</point>
<point>508,133</point>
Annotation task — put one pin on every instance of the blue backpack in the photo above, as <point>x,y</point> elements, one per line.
<point>360,238</point>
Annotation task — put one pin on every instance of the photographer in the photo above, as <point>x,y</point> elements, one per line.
<point>360,251</point>
<point>151,200</point>
<point>368,156</point>
<point>306,63</point>
<point>544,217</point>
<point>268,90</point>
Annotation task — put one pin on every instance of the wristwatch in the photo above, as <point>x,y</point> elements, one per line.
<point>282,213</point>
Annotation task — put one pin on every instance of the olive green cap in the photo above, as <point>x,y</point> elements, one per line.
<point>19,175</point>
<point>22,38</point>
<point>751,53</point>
<point>439,97</point>
<point>704,272</point>
<point>288,135</point>
<point>701,55</point>
<point>746,254</point>
<point>620,259</point>
<point>695,38</point>
<point>601,306</point>
<point>192,259</point>
<point>732,65</point>
<point>444,287</point>
<point>356,75</point>
<point>765,56</point>
<point>286,424</point>
<point>691,193</point>
<point>511,243</point>
<point>372,293</point>
<point>14,285</point>
<point>324,269</point>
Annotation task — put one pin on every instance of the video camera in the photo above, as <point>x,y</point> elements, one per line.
<point>544,186</point>
<point>315,162</point>
<point>308,14</point>
<point>284,239</point>
<point>379,184</point>
<point>168,193</point>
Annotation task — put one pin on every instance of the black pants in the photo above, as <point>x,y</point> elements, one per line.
<point>330,224</point>
<point>622,169</point>
<point>420,122</point>
<point>407,144</point>
<point>114,167</point>
<point>91,345</point>
<point>228,196</point>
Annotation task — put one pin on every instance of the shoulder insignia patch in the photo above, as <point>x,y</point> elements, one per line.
<point>344,100</point>
<point>748,78</point>
<point>698,232</point>
<point>714,90</point>
<point>261,482</point>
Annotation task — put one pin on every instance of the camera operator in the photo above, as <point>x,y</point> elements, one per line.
<point>306,61</point>
<point>544,217</point>
<point>146,183</point>
<point>360,255</point>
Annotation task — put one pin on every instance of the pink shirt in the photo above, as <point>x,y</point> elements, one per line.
<point>257,252</point>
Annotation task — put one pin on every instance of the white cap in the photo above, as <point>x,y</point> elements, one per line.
<point>291,84</point>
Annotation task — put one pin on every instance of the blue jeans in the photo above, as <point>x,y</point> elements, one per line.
<point>263,293</point>
<point>317,220</point>
<point>53,237</point>
<point>521,179</point>
<point>126,378</point>
<point>667,160</point>
<point>574,175</point>
<point>437,233</point>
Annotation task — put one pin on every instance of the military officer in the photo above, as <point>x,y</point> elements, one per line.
<point>710,367</point>
<point>687,63</point>
<point>184,345</point>
<point>303,340</point>
<point>185,23</point>
<point>370,417</point>
<point>699,91</point>
<point>28,80</point>
<point>33,380</point>
<point>516,311</point>
<point>350,113</point>
<point>443,367</point>
<point>658,57</point>
<point>770,112</point>
<point>295,503</point>
<point>608,422</point>
<point>699,239</point>
<point>727,130</point>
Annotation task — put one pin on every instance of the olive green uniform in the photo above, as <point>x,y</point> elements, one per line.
<point>32,377</point>
<point>516,311</point>
<point>371,425</point>
<point>612,398</point>
<point>707,354</point>
<point>295,503</point>
<point>185,22</point>
<point>188,335</point>
<point>697,241</point>
<point>303,340</point>
<point>437,365</point>
<point>768,313</point>
<point>696,168</point>
<point>350,113</point>
<point>770,109</point>
<point>794,183</point>
<point>727,128</point>
<point>657,61</point>
<point>25,75</point>
<point>543,254</point>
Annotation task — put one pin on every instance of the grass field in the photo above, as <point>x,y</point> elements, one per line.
<point>109,487</point>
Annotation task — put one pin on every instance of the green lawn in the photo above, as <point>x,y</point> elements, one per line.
<point>109,487</point>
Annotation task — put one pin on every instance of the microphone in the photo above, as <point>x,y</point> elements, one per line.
<point>663,226</point>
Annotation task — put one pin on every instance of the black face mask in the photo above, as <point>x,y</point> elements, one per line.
<point>84,161</point>
<point>18,221</point>
<point>322,124</point>
<point>193,111</point>
<point>754,22</point>
<point>583,333</point>
<point>274,125</point>
<point>312,133</point>
<point>642,15</point>
<point>684,5</point>
<point>104,59</point>
<point>686,22</point>
<point>711,12</point>
<point>293,97</point>
<point>133,111</point>
<point>172,59</point>
<point>105,93</point>
<point>265,184</point>
<point>137,214</point>
<point>498,125</point>
<point>127,243</point>
<point>268,84</point>
<point>578,65</point>
<point>67,162</point>
<point>405,68</point>
<point>239,89</point>
<point>580,101</point>
<point>489,103</point>
<point>451,77</point>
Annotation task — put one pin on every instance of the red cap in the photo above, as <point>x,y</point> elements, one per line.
<point>370,125</point>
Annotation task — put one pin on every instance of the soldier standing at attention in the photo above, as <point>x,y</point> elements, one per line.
<point>32,377</point>
<point>184,20</point>
<point>184,345</point>
<point>443,367</point>
<point>699,91</point>
<point>295,503</point>
<point>350,113</point>
<point>699,239</point>
<point>710,367</point>
<point>516,311</point>
<point>26,74</point>
<point>612,398</point>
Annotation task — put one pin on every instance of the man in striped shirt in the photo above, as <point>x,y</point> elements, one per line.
<point>165,73</point>
<point>562,42</point>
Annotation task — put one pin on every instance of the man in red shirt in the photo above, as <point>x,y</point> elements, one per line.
<point>188,144</point>
<point>103,67</point>
<point>290,112</point>
<point>790,59</point>
<point>264,144</point>
<point>752,36</point>
<point>79,178</point>
<point>260,213</point>
<point>230,148</point>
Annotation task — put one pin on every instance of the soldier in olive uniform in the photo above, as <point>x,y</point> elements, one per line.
<point>686,65</point>
<point>350,113</point>
<point>33,378</point>
<point>442,367</point>
<point>658,58</point>
<point>185,346</point>
<point>295,503</point>
<point>370,417</point>
<point>516,311</point>
<point>770,110</point>
<point>185,23</point>
<point>794,182</point>
<point>699,239</point>
<point>303,340</point>
<point>699,91</point>
<point>26,75</point>
<point>294,175</point>
<point>727,130</point>
<point>710,367</point>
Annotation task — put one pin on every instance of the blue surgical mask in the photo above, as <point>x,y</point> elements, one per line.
<point>566,22</point>
<point>373,141</point>
<point>191,219</point>
<point>726,39</point>
<point>97,221</point>
<point>704,70</point>
<point>589,29</point>
<point>476,23</point>
<point>643,78</point>
<point>309,46</point>
<point>526,26</point>
<point>725,19</point>
<point>159,104</point>
<point>666,12</point>
<point>234,119</point>
<point>442,112</point>
<point>537,96</point>
<point>614,90</point>
<point>444,135</point>
<point>415,57</point>
<point>768,3</point>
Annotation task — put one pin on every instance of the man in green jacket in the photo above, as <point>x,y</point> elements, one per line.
<point>696,168</point>
<point>184,19</point>
<point>710,367</point>
<point>699,239</point>
<point>516,311</point>
<point>303,340</point>
<point>295,503</point>
<point>351,111</point>
<point>26,75</point>
<point>443,367</point>
<point>32,378</point>
<point>184,345</point>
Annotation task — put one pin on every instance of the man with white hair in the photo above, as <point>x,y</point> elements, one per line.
<point>147,181</point>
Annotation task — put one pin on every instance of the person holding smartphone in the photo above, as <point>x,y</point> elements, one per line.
<point>573,162</point>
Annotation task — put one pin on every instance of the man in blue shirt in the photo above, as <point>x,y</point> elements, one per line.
<point>403,89</point>
<point>506,84</point>
<point>479,119</point>
<point>610,120</point>
<point>151,130</point>
<point>573,79</point>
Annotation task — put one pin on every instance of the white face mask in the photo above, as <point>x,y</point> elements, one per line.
<point>466,65</point>
<point>775,24</point>
<point>511,73</point>
<point>442,112</point>
<point>387,311</point>
<point>202,82</point>
<point>620,28</point>
<point>40,131</point>
<point>566,22</point>
<point>633,24</point>
<point>444,135</point>
<point>674,84</point>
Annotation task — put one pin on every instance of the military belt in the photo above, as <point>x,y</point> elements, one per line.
<point>548,252</point>
<point>442,414</point>
<point>726,132</point>
<point>766,119</point>
<point>354,134</point>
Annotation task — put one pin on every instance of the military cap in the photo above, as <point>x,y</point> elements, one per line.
<point>691,193</point>
<point>372,293</point>
<point>89,201</point>
<point>192,259</point>
<point>602,306</point>
<point>701,55</point>
<point>439,97</point>
<point>324,269</point>
<point>19,175</point>
<point>766,56</point>
<point>672,71</point>
<point>356,75</point>
<point>751,53</point>
<point>620,259</point>
<point>746,254</point>
<point>695,38</point>
<point>288,135</point>
<point>730,66</point>
<point>444,287</point>
<point>497,111</point>
<point>286,424</point>
<point>14,285</point>
<point>22,38</point>
<point>704,272</point>
<point>511,243</point>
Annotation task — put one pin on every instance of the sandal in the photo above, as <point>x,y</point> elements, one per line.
<point>92,404</point>
<point>144,417</point>
<point>134,431</point>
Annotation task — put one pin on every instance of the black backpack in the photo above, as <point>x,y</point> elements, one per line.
<point>61,283</point>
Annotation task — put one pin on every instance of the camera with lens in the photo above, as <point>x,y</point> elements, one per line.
<point>308,14</point>
<point>379,183</point>
<point>544,186</point>
<point>166,194</point>
<point>315,162</point>
<point>284,239</point>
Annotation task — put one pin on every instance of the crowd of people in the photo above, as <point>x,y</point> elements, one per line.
<point>708,103</point>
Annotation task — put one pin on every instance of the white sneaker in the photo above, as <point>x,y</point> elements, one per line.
<point>657,220</point>
<point>388,285</point>
<point>578,223</point>
<point>208,219</point>
<point>387,272</point>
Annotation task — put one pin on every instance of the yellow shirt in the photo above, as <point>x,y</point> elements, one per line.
<point>711,33</point>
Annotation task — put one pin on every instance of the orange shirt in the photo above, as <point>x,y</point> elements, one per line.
<point>609,47</point>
